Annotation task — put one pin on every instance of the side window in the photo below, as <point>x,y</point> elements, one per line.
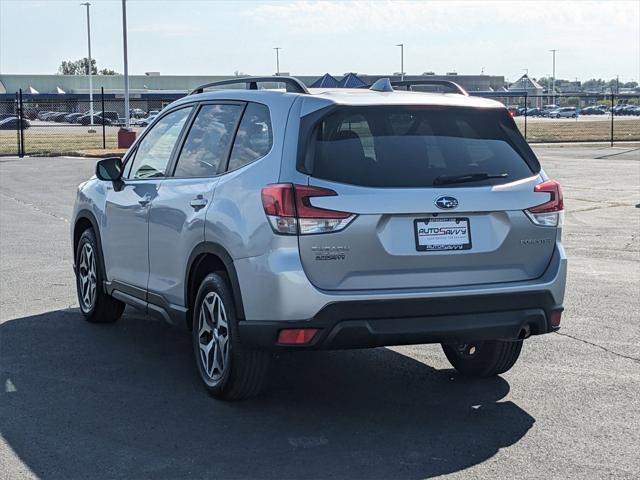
<point>154,150</point>
<point>208,141</point>
<point>254,138</point>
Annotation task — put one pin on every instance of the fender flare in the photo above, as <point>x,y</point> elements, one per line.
<point>219,251</point>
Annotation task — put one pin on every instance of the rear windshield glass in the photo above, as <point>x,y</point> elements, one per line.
<point>417,147</point>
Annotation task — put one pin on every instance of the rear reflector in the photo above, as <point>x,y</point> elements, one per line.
<point>555,318</point>
<point>296,336</point>
<point>289,210</point>
<point>549,213</point>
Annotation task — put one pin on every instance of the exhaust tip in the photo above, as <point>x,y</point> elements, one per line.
<point>525,332</point>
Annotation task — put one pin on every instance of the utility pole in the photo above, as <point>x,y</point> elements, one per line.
<point>401,45</point>
<point>277,49</point>
<point>126,65</point>
<point>87,4</point>
<point>554,76</point>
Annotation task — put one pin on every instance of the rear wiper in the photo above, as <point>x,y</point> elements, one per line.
<point>467,177</point>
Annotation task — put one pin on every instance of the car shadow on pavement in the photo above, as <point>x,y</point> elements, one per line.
<point>104,401</point>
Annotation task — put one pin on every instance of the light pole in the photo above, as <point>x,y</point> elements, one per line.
<point>277,49</point>
<point>401,45</point>
<point>553,78</point>
<point>87,4</point>
<point>126,65</point>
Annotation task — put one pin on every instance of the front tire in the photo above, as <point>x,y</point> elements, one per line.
<point>484,358</point>
<point>228,370</point>
<point>96,306</point>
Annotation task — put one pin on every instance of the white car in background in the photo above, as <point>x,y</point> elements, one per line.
<point>564,112</point>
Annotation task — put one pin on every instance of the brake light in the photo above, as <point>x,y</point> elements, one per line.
<point>551,212</point>
<point>289,210</point>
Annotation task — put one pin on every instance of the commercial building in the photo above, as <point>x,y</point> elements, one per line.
<point>153,83</point>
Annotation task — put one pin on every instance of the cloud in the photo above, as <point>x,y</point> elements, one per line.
<point>332,17</point>
<point>169,29</point>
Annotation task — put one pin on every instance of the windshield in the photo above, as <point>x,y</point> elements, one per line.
<point>412,147</point>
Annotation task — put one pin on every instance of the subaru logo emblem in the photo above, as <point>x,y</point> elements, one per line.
<point>446,203</point>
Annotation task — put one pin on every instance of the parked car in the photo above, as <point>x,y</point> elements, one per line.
<point>13,123</point>
<point>70,118</point>
<point>48,115</point>
<point>592,110</point>
<point>58,117</point>
<point>4,116</point>
<point>153,113</point>
<point>628,110</point>
<point>563,112</point>
<point>342,219</point>
<point>513,110</point>
<point>30,113</point>
<point>547,109</point>
<point>534,112</point>
<point>97,120</point>
<point>112,117</point>
<point>136,113</point>
<point>144,122</point>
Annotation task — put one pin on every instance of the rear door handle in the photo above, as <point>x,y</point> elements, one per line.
<point>198,202</point>
<point>144,201</point>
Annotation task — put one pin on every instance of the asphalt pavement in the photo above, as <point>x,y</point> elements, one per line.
<point>84,401</point>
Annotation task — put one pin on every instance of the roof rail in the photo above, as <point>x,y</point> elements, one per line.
<point>452,86</point>
<point>292,84</point>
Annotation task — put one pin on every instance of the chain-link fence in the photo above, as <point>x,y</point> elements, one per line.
<point>68,126</point>
<point>36,126</point>
<point>576,118</point>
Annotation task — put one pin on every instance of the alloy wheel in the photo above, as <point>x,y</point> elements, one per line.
<point>213,337</point>
<point>87,277</point>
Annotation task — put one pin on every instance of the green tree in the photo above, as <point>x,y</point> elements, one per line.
<point>81,67</point>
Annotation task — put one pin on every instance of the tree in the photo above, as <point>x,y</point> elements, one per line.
<point>81,67</point>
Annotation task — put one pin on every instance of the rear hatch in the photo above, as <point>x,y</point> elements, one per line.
<point>438,197</point>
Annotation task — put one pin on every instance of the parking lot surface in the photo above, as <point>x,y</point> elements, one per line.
<point>123,401</point>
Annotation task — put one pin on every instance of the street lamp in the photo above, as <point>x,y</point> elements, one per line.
<point>277,49</point>
<point>553,78</point>
<point>126,65</point>
<point>401,45</point>
<point>87,4</point>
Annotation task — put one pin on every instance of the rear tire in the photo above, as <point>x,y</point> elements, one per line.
<point>96,306</point>
<point>483,359</point>
<point>228,370</point>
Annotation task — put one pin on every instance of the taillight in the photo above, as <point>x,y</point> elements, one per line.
<point>551,212</point>
<point>289,210</point>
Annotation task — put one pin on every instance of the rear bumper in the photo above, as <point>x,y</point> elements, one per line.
<point>372,323</point>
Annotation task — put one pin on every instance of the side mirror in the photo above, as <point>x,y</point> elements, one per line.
<point>109,169</point>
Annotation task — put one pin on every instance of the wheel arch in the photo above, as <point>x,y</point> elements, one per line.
<point>206,258</point>
<point>85,220</point>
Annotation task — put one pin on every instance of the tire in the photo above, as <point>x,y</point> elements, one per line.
<point>483,359</point>
<point>96,306</point>
<point>228,370</point>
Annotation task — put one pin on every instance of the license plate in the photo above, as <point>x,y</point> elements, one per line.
<point>436,234</point>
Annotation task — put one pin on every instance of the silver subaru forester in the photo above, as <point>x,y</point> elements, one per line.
<point>293,218</point>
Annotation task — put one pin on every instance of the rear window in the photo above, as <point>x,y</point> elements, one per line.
<point>412,147</point>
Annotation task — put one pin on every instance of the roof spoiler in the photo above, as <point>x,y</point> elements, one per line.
<point>453,87</point>
<point>292,84</point>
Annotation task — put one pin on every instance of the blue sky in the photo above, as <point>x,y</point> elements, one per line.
<point>594,39</point>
